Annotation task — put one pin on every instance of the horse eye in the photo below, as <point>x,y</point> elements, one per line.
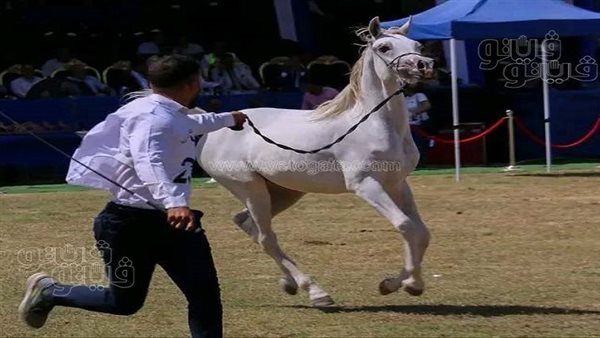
<point>384,49</point>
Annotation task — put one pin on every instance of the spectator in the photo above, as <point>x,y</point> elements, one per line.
<point>233,76</point>
<point>21,85</point>
<point>418,105</point>
<point>63,56</point>
<point>79,83</point>
<point>316,94</point>
<point>185,47</point>
<point>153,47</point>
<point>140,72</point>
<point>210,60</point>
<point>290,76</point>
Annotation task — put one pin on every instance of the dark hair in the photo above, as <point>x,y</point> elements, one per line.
<point>172,71</point>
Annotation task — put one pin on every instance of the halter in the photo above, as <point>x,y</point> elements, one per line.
<point>395,63</point>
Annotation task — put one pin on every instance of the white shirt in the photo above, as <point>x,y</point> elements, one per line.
<point>21,86</point>
<point>412,104</point>
<point>149,147</point>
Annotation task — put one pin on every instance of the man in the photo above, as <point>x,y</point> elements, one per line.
<point>233,76</point>
<point>79,83</point>
<point>418,106</point>
<point>21,85</point>
<point>147,146</point>
<point>63,56</point>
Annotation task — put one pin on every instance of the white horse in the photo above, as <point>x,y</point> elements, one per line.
<point>268,179</point>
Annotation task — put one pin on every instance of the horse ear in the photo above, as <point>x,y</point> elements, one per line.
<point>374,27</point>
<point>406,27</point>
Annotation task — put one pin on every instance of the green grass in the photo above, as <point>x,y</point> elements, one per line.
<point>510,256</point>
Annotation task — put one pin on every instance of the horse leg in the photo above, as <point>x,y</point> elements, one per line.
<point>257,222</point>
<point>376,195</point>
<point>281,199</point>
<point>416,239</point>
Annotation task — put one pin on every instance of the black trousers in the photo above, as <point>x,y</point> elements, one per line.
<point>132,242</point>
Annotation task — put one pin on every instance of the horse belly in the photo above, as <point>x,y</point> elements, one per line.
<point>307,180</point>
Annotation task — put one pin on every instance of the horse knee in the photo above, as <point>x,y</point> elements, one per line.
<point>268,240</point>
<point>414,230</point>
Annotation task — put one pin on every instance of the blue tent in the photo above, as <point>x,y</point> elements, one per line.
<point>489,19</point>
<point>485,19</point>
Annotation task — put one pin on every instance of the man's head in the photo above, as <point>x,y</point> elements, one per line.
<point>76,69</point>
<point>176,76</point>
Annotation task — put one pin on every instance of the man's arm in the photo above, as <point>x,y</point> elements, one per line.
<point>208,122</point>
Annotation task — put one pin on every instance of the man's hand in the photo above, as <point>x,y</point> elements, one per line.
<point>182,218</point>
<point>239,118</point>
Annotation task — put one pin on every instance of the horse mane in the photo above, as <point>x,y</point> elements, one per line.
<point>347,98</point>
<point>350,95</point>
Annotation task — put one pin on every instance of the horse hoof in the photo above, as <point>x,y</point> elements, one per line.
<point>384,289</point>
<point>288,286</point>
<point>412,291</point>
<point>323,301</point>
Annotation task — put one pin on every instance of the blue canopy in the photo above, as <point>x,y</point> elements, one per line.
<point>482,19</point>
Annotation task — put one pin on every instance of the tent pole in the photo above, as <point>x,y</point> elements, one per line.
<point>546,107</point>
<point>455,121</point>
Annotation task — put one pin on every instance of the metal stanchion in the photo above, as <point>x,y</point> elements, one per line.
<point>512,166</point>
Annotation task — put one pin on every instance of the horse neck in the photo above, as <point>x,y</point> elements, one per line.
<point>373,90</point>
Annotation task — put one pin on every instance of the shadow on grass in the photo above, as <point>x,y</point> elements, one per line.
<point>450,310</point>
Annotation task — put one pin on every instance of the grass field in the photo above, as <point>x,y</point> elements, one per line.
<point>511,255</point>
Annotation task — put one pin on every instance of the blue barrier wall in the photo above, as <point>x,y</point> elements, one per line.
<point>573,114</point>
<point>23,158</point>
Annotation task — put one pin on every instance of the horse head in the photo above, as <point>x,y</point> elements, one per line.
<point>395,56</point>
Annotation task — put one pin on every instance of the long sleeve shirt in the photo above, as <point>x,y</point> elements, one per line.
<point>149,147</point>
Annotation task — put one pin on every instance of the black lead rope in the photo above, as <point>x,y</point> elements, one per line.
<point>338,140</point>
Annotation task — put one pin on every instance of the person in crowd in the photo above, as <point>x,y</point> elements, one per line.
<point>139,72</point>
<point>154,46</point>
<point>185,47</point>
<point>63,56</point>
<point>211,60</point>
<point>79,83</point>
<point>316,94</point>
<point>418,107</point>
<point>21,85</point>
<point>233,76</point>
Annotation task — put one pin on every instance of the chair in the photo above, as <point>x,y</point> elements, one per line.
<point>332,71</point>
<point>280,74</point>
<point>10,74</point>
<point>118,77</point>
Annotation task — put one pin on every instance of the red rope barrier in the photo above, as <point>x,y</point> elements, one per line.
<point>538,140</point>
<point>466,140</point>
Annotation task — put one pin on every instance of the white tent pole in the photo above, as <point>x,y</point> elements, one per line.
<point>546,106</point>
<point>455,121</point>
